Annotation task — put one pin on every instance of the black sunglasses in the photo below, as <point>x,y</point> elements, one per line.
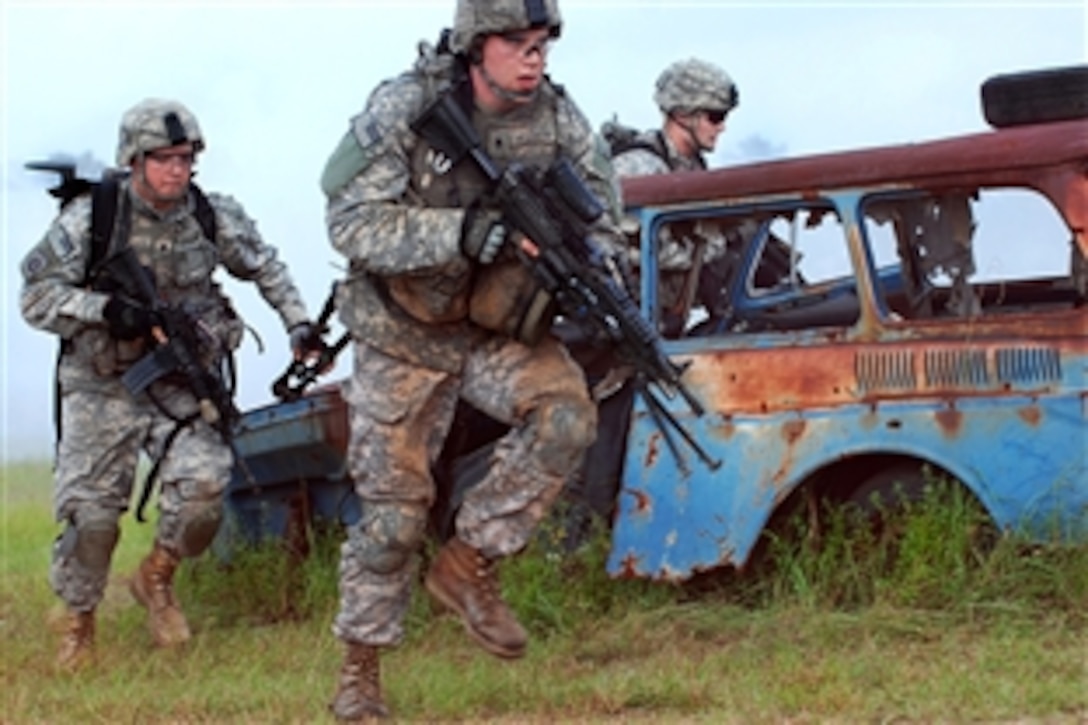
<point>714,116</point>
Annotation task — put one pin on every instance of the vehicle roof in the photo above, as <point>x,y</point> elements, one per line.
<point>1011,155</point>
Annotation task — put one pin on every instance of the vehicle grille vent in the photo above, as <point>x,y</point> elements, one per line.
<point>1028,365</point>
<point>885,371</point>
<point>956,369</point>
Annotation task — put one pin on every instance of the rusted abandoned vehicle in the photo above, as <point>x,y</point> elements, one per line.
<point>880,314</point>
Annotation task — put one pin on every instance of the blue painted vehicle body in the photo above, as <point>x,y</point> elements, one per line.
<point>670,526</point>
<point>999,402</point>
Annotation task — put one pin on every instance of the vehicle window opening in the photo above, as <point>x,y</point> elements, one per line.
<point>976,252</point>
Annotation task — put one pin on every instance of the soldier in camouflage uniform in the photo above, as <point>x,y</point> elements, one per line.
<point>694,97</point>
<point>428,252</point>
<point>102,427</point>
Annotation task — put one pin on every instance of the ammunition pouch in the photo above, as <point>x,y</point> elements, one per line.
<point>419,297</point>
<point>437,297</point>
<point>95,348</point>
<point>507,298</point>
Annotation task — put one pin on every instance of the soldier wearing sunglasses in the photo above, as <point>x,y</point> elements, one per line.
<point>694,97</point>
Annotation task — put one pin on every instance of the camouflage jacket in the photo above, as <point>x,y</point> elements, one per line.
<point>56,298</point>
<point>653,153</point>
<point>396,208</point>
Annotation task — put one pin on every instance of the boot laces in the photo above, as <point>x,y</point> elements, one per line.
<point>162,587</point>
<point>486,577</point>
<point>362,668</point>
<point>80,628</point>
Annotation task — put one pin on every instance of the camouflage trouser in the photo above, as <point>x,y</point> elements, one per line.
<point>103,431</point>
<point>400,415</point>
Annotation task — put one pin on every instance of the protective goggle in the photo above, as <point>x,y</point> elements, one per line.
<point>715,116</point>
<point>524,43</point>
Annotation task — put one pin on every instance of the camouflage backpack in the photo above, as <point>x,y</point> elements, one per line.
<point>621,138</point>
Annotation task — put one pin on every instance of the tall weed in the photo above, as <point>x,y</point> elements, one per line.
<point>939,552</point>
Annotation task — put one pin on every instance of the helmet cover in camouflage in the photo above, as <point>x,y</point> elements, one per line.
<point>155,123</point>
<point>475,18</point>
<point>694,84</point>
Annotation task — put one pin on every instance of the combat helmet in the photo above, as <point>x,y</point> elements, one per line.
<point>153,124</point>
<point>476,18</point>
<point>692,84</point>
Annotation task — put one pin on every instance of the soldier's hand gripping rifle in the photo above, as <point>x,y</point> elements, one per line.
<point>554,212</point>
<point>177,351</point>
<point>176,348</point>
<point>300,374</point>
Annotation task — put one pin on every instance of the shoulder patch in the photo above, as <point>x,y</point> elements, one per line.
<point>34,264</point>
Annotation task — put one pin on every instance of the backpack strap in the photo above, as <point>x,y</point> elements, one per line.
<point>104,203</point>
<point>204,213</point>
<point>654,143</point>
<point>103,215</point>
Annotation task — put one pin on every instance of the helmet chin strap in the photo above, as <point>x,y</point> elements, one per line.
<point>688,126</point>
<point>519,97</point>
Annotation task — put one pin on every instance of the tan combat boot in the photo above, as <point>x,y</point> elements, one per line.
<point>464,580</point>
<point>77,641</point>
<point>152,587</point>
<point>359,692</point>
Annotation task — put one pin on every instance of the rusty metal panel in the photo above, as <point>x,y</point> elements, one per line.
<point>1022,455</point>
<point>1008,417</point>
<point>1014,156</point>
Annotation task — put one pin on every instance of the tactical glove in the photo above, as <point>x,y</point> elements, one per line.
<point>483,234</point>
<point>127,320</point>
<point>305,339</point>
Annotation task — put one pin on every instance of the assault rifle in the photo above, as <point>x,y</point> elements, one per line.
<point>554,209</point>
<point>176,344</point>
<point>70,185</point>
<point>176,339</point>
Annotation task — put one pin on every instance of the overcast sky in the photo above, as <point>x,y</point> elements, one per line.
<point>274,85</point>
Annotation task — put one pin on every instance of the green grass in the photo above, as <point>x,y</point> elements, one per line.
<point>926,620</point>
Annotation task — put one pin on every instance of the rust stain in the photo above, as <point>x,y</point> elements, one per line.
<point>778,480</point>
<point>653,449</point>
<point>950,420</point>
<point>1014,153</point>
<point>629,567</point>
<point>793,431</point>
<point>1030,414</point>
